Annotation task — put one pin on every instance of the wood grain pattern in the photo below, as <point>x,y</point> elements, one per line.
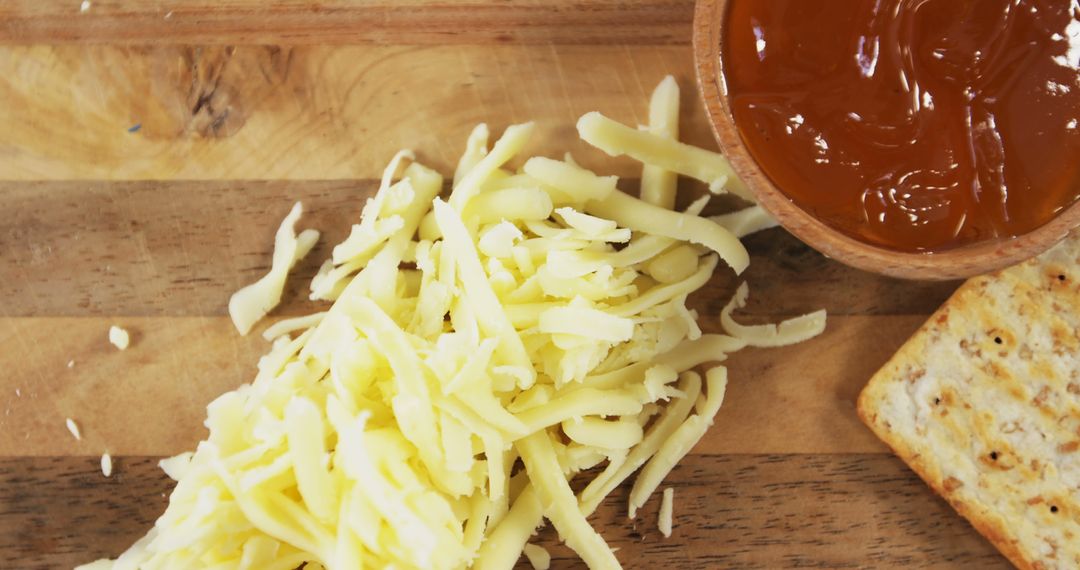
<point>237,108</point>
<point>798,399</point>
<point>309,112</point>
<point>735,511</point>
<point>347,21</point>
<point>181,248</point>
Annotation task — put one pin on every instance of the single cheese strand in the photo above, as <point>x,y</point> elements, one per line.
<point>660,431</point>
<point>602,326</point>
<point>307,445</point>
<point>641,216</point>
<point>789,331</point>
<point>646,247</point>
<point>508,145</point>
<point>494,452</point>
<point>475,151</point>
<point>500,500</point>
<point>574,181</point>
<point>457,444</point>
<point>591,226</point>
<point>617,139</point>
<point>674,265</point>
<point>580,403</point>
<point>250,304</point>
<point>349,549</point>
<point>539,558</point>
<point>666,507</point>
<point>746,221</point>
<point>681,442</point>
<point>502,548</point>
<point>476,525</point>
<point>518,204</point>
<point>477,289</point>
<point>286,326</point>
<point>604,434</point>
<point>469,418</point>
<point>663,293</point>
<point>560,505</point>
<point>658,184</point>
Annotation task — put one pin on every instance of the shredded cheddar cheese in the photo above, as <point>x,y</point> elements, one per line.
<point>480,353</point>
<point>667,506</point>
<point>250,304</point>
<point>539,558</point>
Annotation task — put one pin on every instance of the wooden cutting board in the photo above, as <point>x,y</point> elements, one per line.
<point>148,149</point>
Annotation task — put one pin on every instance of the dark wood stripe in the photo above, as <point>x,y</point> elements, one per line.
<point>181,248</point>
<point>736,511</point>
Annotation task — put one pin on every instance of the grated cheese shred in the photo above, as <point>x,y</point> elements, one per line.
<point>666,515</point>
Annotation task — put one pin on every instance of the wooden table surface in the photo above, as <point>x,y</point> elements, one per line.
<point>148,149</point>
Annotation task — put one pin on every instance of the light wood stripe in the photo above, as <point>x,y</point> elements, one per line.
<point>310,112</point>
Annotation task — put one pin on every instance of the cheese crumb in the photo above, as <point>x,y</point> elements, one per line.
<point>71,364</point>
<point>85,6</point>
<point>538,557</point>
<point>106,464</point>
<point>18,393</point>
<point>664,524</point>
<point>74,429</point>
<point>118,336</point>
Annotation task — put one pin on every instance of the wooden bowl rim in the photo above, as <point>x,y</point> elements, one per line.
<point>960,262</point>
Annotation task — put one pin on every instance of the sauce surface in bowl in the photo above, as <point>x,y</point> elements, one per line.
<point>914,125</point>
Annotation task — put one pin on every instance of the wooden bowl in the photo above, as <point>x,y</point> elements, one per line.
<point>964,261</point>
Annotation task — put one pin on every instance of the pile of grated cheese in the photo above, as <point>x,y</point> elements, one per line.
<point>480,352</point>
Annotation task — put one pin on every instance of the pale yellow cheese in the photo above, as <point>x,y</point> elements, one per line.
<point>650,148</point>
<point>538,315</point>
<point>657,183</point>
<point>789,331</point>
<point>539,558</point>
<point>666,507</point>
<point>250,304</point>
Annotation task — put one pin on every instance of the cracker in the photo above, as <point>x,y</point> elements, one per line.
<point>983,402</point>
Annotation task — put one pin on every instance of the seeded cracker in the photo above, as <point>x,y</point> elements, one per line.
<point>984,404</point>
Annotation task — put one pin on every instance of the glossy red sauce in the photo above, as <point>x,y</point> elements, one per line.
<point>916,125</point>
